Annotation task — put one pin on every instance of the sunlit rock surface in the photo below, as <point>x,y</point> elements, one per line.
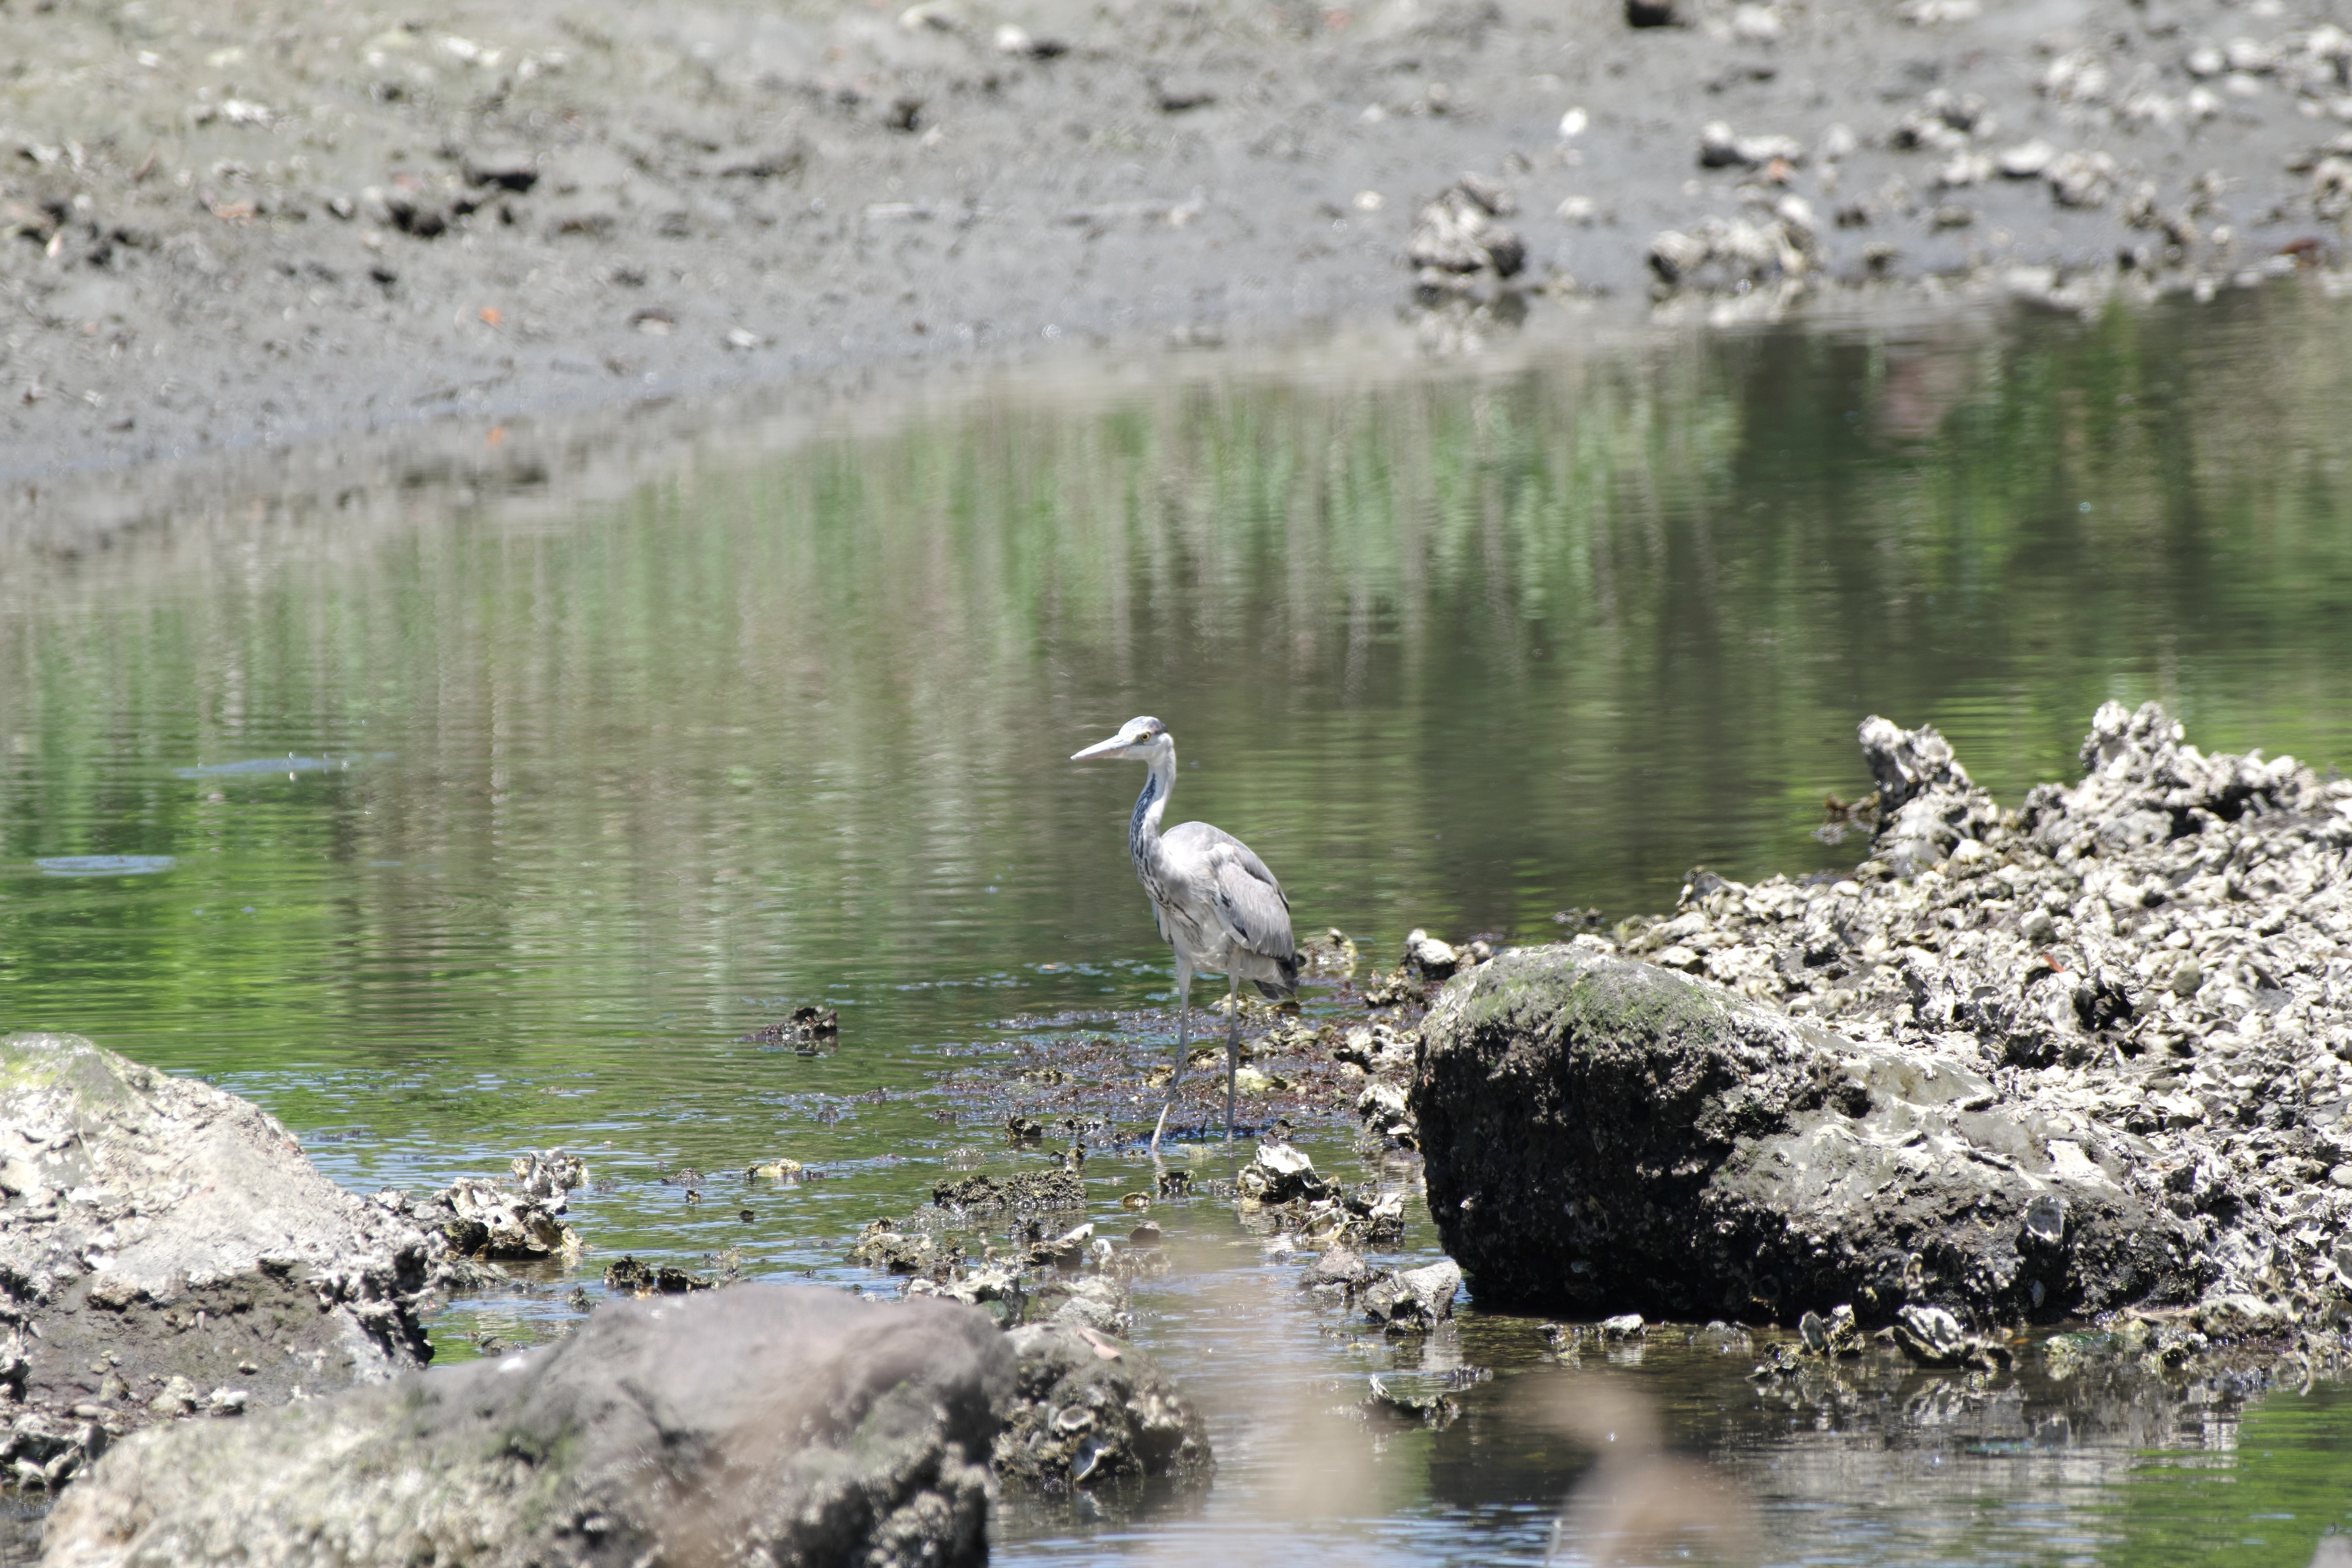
<point>166,1249</point>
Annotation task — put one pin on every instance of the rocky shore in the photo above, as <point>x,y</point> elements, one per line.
<point>2072,1061</point>
<point>166,1249</point>
<point>228,228</point>
<point>2066,1059</point>
<point>2080,1057</point>
<point>169,1259</point>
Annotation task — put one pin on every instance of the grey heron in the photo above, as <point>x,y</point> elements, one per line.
<point>1217,905</point>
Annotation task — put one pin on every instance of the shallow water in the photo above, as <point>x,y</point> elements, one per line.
<point>454,827</point>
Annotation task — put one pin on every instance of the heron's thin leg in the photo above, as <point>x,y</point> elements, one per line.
<point>1183,1004</point>
<point>1232,1045</point>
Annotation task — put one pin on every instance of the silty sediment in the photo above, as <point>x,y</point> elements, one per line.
<point>478,213</point>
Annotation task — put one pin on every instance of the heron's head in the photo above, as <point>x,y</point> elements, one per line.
<point>1141,739</point>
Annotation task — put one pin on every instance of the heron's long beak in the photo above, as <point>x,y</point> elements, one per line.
<point>1109,748</point>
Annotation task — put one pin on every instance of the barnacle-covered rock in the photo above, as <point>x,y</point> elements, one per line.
<point>160,1239</point>
<point>1089,1408</point>
<point>2140,973</point>
<point>795,1424</point>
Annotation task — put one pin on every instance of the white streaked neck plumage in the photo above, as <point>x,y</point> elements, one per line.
<point>1158,779</point>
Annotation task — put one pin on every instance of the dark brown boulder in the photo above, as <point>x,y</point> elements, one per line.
<point>1605,1135</point>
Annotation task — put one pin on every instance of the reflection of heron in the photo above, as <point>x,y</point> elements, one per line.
<point>1216,903</point>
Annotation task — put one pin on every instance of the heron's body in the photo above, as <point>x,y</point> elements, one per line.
<point>1216,904</point>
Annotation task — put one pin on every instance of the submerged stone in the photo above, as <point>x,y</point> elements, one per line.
<point>809,1030</point>
<point>1429,1408</point>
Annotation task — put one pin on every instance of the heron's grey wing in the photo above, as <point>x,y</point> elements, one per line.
<point>1248,902</point>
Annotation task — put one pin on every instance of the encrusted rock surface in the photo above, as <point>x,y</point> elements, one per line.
<point>1281,1174</point>
<point>489,1220</point>
<point>2171,906</point>
<point>928,1241</point>
<point>1279,1192</point>
<point>759,1424</point>
<point>1603,1133</point>
<point>2126,996</point>
<point>1416,1299</point>
<point>165,1249</point>
<point>1455,236</point>
<point>1027,1193</point>
<point>1088,1409</point>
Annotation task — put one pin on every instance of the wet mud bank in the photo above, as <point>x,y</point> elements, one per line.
<point>230,229</point>
<point>2076,1057</point>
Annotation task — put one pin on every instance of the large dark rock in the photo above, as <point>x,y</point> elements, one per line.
<point>1603,1136</point>
<point>762,1424</point>
<point>166,1249</point>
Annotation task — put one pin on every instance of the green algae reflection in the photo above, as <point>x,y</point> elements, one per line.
<point>1458,650</point>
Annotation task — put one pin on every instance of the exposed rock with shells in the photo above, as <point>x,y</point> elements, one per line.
<point>1604,1133</point>
<point>167,1250</point>
<point>2141,977</point>
<point>1088,1409</point>
<point>1459,235</point>
<point>489,1220</point>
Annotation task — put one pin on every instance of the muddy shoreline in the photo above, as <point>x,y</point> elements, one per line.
<point>232,232</point>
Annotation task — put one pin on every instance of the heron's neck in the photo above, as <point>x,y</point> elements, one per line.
<point>1143,830</point>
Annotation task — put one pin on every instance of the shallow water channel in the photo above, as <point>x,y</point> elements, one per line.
<point>458,825</point>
